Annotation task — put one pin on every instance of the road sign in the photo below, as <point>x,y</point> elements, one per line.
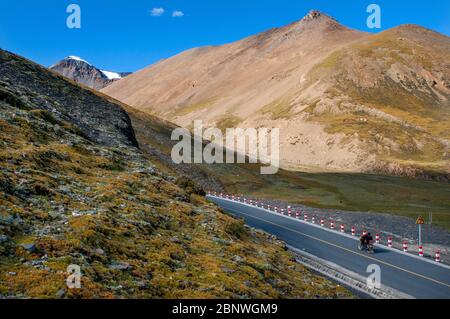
<point>420,221</point>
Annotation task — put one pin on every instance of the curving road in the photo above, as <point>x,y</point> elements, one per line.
<point>407,273</point>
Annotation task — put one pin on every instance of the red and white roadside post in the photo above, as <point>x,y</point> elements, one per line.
<point>276,209</point>
<point>342,228</point>
<point>297,215</point>
<point>377,238</point>
<point>322,222</point>
<point>313,220</point>
<point>437,256</point>
<point>289,211</point>
<point>245,200</point>
<point>332,225</point>
<point>420,251</point>
<point>405,246</point>
<point>389,241</point>
<point>282,211</point>
<point>364,232</point>
<point>353,231</point>
<point>305,217</point>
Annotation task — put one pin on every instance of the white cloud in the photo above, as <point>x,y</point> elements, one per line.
<point>177,13</point>
<point>157,12</point>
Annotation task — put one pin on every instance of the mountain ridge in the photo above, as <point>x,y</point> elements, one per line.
<point>86,73</point>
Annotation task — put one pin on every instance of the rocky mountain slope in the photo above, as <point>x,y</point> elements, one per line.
<point>83,72</point>
<point>76,190</point>
<point>344,100</point>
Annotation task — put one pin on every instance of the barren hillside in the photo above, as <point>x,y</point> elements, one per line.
<point>344,100</point>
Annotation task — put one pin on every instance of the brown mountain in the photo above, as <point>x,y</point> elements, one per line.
<point>344,100</point>
<point>85,73</point>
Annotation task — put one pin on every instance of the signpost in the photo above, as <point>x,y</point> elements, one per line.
<point>420,222</point>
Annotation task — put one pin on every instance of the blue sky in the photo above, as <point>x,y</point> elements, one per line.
<point>124,35</point>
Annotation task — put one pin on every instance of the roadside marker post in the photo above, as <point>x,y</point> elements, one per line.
<point>322,223</point>
<point>332,225</point>
<point>377,238</point>
<point>342,228</point>
<point>353,231</point>
<point>390,242</point>
<point>297,215</point>
<point>405,246</point>
<point>305,218</point>
<point>420,251</point>
<point>364,232</point>
<point>437,256</point>
<point>313,219</point>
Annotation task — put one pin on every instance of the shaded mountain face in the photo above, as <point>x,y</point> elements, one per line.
<point>343,99</point>
<point>75,189</point>
<point>100,120</point>
<point>83,72</point>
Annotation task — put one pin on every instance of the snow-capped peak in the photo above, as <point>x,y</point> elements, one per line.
<point>76,58</point>
<point>111,75</point>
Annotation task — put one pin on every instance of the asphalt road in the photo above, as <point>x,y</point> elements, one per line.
<point>402,271</point>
